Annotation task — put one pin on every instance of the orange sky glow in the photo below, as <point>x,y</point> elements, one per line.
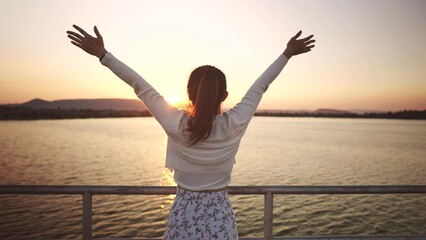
<point>369,54</point>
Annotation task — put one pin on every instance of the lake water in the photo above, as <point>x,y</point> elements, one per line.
<point>274,151</point>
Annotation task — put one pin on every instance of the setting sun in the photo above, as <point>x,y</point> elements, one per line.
<point>175,100</point>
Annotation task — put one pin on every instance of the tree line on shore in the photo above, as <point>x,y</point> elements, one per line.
<point>406,114</point>
<point>27,113</point>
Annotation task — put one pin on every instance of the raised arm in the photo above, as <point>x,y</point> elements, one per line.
<point>165,113</point>
<point>244,111</point>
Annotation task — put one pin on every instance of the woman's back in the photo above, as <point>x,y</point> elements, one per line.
<point>208,163</point>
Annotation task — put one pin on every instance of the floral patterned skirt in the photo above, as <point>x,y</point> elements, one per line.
<point>201,215</point>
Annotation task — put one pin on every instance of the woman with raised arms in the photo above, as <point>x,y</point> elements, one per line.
<point>202,140</point>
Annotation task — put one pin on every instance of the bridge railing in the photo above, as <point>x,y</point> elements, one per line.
<point>268,191</point>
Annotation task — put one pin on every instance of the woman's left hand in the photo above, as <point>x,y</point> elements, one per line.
<point>298,46</point>
<point>91,45</point>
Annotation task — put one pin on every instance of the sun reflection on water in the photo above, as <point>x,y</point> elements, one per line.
<point>168,181</point>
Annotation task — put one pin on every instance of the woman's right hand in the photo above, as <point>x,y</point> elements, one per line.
<point>297,46</point>
<point>91,45</point>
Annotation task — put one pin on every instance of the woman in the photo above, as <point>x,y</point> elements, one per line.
<point>202,140</point>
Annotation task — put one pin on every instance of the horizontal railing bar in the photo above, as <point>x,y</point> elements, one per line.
<point>80,189</point>
<point>245,190</point>
<point>376,189</point>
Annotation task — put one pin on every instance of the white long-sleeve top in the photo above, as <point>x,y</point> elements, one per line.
<point>206,165</point>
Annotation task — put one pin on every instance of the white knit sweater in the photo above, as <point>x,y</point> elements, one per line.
<point>207,165</point>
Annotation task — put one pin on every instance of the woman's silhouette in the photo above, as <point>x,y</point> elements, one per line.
<point>202,140</point>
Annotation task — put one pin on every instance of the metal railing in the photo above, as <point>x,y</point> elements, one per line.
<point>268,191</point>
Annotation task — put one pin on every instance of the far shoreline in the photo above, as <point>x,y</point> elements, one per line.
<point>27,113</point>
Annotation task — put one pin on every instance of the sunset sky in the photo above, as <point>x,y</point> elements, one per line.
<point>369,54</point>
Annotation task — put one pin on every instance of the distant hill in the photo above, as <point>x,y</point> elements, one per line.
<point>93,104</point>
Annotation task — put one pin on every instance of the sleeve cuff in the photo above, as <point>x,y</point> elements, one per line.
<point>284,58</point>
<point>106,58</point>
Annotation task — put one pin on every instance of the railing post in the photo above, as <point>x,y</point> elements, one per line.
<point>87,216</point>
<point>268,215</point>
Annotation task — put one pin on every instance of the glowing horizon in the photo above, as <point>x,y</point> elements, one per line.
<point>368,55</point>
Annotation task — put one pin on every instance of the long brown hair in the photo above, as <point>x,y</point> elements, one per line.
<point>206,91</point>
